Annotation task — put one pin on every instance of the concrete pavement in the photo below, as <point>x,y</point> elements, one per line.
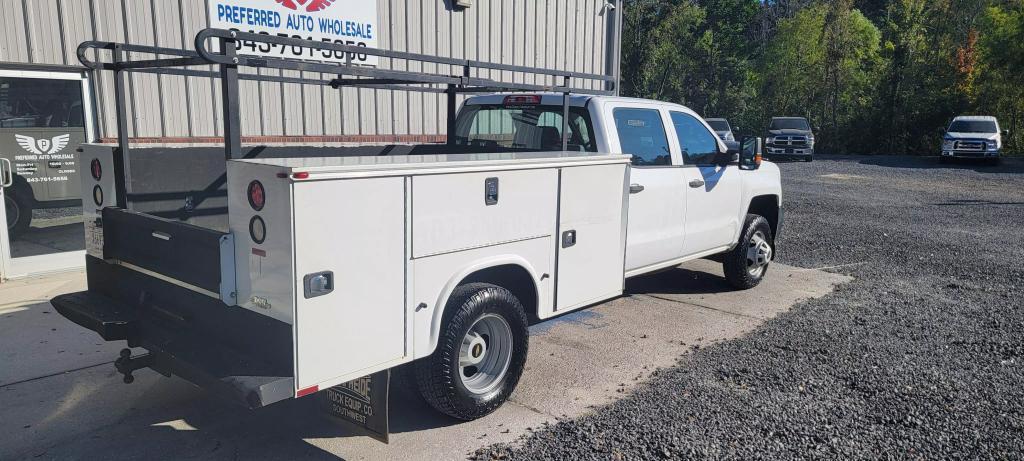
<point>73,405</point>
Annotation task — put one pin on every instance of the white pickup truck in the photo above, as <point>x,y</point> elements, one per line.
<point>334,268</point>
<point>265,273</point>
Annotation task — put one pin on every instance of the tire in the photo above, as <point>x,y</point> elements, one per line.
<point>746,264</point>
<point>18,206</point>
<point>943,159</point>
<point>481,319</point>
<point>808,159</point>
<point>994,161</point>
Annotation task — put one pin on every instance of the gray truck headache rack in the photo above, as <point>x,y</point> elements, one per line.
<point>347,75</point>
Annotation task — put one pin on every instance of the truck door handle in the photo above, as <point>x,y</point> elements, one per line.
<point>696,183</point>
<point>635,188</point>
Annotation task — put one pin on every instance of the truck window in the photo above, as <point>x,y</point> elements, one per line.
<point>534,128</point>
<point>789,124</point>
<point>718,125</point>
<point>698,144</point>
<point>642,135</point>
<point>972,126</point>
<point>40,103</point>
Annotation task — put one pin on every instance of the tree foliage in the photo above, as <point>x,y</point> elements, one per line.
<point>875,76</point>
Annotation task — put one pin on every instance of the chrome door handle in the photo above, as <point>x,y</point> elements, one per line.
<point>696,183</point>
<point>635,188</point>
<point>6,173</point>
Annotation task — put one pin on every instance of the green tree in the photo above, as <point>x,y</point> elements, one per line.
<point>1001,68</point>
<point>822,64</point>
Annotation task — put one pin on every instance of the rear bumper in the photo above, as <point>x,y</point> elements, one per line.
<point>237,354</point>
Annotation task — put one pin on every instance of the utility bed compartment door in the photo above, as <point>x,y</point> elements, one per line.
<point>591,240</point>
<point>353,229</point>
<point>460,211</point>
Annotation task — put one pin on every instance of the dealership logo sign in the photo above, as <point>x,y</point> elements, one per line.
<point>311,5</point>
<point>343,22</point>
<point>43,146</point>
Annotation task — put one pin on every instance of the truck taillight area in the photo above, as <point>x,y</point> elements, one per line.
<point>522,100</point>
<point>257,196</point>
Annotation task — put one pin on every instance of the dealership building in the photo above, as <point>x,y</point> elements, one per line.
<point>50,102</point>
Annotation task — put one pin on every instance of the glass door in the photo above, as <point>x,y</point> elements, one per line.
<point>44,117</point>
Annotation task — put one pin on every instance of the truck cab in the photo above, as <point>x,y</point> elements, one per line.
<point>974,136</point>
<point>689,198</point>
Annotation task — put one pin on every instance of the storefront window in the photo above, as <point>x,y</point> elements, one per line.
<point>42,123</point>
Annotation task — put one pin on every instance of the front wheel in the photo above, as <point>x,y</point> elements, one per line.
<point>746,264</point>
<point>480,353</point>
<point>19,212</point>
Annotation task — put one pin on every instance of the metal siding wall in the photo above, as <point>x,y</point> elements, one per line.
<point>557,34</point>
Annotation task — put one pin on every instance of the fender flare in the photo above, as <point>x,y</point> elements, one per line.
<point>462,274</point>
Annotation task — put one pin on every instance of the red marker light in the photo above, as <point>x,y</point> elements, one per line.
<point>306,391</point>
<point>96,169</point>
<point>257,196</point>
<point>300,175</point>
<point>522,100</point>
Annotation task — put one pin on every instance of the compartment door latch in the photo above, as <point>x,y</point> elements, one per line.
<point>317,284</point>
<point>491,191</point>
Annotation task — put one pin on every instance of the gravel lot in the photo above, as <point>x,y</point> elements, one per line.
<point>921,356</point>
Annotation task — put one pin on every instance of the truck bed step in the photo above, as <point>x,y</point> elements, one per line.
<point>111,319</point>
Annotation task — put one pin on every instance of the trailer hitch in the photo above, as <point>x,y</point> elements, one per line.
<point>127,364</point>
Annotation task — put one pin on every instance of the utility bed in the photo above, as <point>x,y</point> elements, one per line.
<point>333,268</point>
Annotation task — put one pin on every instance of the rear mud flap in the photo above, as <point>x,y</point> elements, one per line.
<point>361,404</point>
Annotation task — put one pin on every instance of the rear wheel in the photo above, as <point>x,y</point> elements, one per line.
<point>746,264</point>
<point>480,353</point>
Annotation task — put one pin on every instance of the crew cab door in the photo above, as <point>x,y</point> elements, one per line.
<point>713,191</point>
<point>657,195</point>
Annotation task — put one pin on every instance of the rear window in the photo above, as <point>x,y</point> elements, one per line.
<point>972,126</point>
<point>789,124</point>
<point>718,125</point>
<point>532,128</point>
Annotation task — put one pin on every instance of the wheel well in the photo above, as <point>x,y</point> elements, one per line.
<point>768,207</point>
<point>513,278</point>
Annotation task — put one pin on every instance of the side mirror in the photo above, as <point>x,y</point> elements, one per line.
<point>1006,132</point>
<point>750,151</point>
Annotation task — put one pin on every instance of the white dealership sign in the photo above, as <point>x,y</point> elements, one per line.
<point>350,22</point>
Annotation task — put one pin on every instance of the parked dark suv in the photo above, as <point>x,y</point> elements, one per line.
<point>790,137</point>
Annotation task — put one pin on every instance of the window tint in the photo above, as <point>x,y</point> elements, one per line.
<point>789,124</point>
<point>642,135</point>
<point>972,126</point>
<point>698,144</point>
<point>718,124</point>
<point>35,102</point>
<point>519,128</point>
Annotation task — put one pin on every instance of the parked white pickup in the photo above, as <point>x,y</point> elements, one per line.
<point>440,260</point>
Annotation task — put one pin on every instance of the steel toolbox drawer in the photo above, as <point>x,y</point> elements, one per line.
<point>454,212</point>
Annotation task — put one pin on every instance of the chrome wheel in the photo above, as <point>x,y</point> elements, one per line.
<point>759,254</point>
<point>485,354</point>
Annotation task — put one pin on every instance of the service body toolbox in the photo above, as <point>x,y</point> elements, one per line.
<point>336,268</point>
